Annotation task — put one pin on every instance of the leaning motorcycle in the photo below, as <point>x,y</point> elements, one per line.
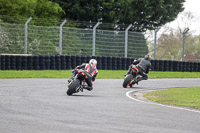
<point>77,83</point>
<point>130,79</point>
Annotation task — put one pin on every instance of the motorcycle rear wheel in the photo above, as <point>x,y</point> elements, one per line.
<point>72,87</point>
<point>127,80</point>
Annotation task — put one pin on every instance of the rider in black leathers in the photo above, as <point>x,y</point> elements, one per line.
<point>143,65</point>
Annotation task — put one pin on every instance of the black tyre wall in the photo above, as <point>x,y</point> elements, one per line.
<point>66,62</point>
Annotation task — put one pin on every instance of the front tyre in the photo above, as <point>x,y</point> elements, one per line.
<point>72,87</point>
<point>127,80</point>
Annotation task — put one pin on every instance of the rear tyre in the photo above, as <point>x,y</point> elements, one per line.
<point>72,87</point>
<point>127,80</point>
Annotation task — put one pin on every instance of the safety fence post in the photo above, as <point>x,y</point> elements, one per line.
<point>126,40</point>
<point>26,35</point>
<point>60,38</point>
<point>94,38</point>
<point>184,32</point>
<point>155,42</point>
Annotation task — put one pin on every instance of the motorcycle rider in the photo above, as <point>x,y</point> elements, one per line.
<point>90,70</point>
<point>143,65</point>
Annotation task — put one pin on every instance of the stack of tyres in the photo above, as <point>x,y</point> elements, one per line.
<point>175,66</point>
<point>109,63</point>
<point>3,62</point>
<point>58,62</point>
<point>152,65</point>
<point>94,57</point>
<point>52,62</point>
<point>166,65</point>
<point>114,63</point>
<point>161,65</point>
<point>73,61</point>
<point>104,63</point>
<point>78,60</point>
<point>83,59</point>
<point>170,65</point>
<point>191,66</point>
<point>99,63</point>
<point>178,68</point>
<point>0,62</point>
<point>42,62</point>
<point>47,63</point>
<point>88,59</point>
<point>128,63</point>
<point>36,62</point>
<point>155,65</point>
<point>119,63</point>
<point>195,67</point>
<point>124,63</point>
<point>183,66</point>
<point>18,62</point>
<point>63,62</point>
<point>198,67</point>
<point>30,62</point>
<point>68,62</point>
<point>24,62</point>
<point>187,66</point>
<point>7,62</point>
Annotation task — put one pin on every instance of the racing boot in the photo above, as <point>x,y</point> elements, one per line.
<point>89,88</point>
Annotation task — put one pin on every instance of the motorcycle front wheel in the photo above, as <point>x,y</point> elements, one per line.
<point>72,87</point>
<point>127,80</point>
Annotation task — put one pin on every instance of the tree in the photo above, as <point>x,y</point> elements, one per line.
<point>170,45</point>
<point>33,8</point>
<point>148,13</point>
<point>170,40</point>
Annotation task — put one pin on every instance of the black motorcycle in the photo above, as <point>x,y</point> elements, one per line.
<point>130,79</point>
<point>77,82</point>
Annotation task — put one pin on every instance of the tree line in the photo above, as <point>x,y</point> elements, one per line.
<point>147,13</point>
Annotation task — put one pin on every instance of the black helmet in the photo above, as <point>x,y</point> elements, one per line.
<point>147,57</point>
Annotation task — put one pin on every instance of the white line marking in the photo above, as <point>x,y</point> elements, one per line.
<point>128,95</point>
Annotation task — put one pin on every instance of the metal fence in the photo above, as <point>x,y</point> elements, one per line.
<point>93,39</point>
<point>64,40</point>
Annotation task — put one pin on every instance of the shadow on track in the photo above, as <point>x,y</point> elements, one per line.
<point>79,95</point>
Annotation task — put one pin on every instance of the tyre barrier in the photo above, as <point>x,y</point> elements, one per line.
<point>63,62</point>
<point>66,62</point>
<point>42,63</point>
<point>104,63</point>
<point>52,62</point>
<point>58,62</point>
<point>114,63</point>
<point>47,61</point>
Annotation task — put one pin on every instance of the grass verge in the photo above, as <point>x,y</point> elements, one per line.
<point>103,74</point>
<point>186,97</point>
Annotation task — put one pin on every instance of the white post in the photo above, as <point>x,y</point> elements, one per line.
<point>94,38</point>
<point>155,43</point>
<point>126,40</point>
<point>184,32</point>
<point>26,35</point>
<point>60,40</point>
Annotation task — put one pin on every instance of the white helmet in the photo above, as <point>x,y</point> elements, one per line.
<point>93,61</point>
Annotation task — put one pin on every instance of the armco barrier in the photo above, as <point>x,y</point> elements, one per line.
<point>66,62</point>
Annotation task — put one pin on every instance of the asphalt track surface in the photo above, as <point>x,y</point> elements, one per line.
<point>42,106</point>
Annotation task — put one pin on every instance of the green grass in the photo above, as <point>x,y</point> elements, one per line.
<point>103,74</point>
<point>187,97</point>
<point>174,74</point>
